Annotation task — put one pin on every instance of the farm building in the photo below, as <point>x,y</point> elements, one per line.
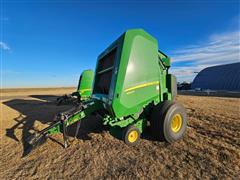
<point>222,77</point>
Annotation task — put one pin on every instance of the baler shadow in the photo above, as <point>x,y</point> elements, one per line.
<point>148,136</point>
<point>30,111</point>
<point>36,111</point>
<point>48,98</point>
<point>91,124</point>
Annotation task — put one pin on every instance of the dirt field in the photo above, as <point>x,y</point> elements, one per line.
<point>210,148</point>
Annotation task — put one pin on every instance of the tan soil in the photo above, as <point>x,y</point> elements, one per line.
<point>210,148</point>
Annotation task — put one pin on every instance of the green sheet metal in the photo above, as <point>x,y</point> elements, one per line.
<point>138,74</point>
<point>85,84</point>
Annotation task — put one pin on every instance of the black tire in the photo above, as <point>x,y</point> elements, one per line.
<point>162,118</point>
<point>130,131</point>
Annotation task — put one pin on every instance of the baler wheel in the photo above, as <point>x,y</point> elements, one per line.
<point>168,121</point>
<point>131,135</point>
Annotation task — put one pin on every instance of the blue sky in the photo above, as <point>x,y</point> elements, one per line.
<point>49,44</point>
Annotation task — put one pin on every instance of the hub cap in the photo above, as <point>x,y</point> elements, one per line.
<point>132,136</point>
<point>176,123</point>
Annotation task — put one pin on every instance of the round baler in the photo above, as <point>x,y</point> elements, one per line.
<point>132,88</point>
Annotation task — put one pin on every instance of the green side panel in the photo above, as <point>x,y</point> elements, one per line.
<point>85,83</point>
<point>172,85</point>
<point>138,77</point>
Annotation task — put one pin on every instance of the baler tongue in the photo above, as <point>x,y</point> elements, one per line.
<point>38,138</point>
<point>61,122</point>
<point>34,141</point>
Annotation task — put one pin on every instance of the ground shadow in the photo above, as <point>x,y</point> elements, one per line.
<point>147,134</point>
<point>32,111</point>
<point>119,133</point>
<point>48,98</point>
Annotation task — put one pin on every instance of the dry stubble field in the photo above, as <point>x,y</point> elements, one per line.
<point>210,148</point>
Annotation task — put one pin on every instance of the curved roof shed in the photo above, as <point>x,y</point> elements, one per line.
<point>223,77</point>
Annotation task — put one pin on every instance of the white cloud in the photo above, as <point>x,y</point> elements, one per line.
<point>218,49</point>
<point>4,46</point>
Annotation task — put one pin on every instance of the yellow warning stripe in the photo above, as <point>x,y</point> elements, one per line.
<point>84,90</point>
<point>142,85</point>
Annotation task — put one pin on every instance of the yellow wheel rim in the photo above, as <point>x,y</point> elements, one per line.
<point>132,136</point>
<point>176,123</point>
